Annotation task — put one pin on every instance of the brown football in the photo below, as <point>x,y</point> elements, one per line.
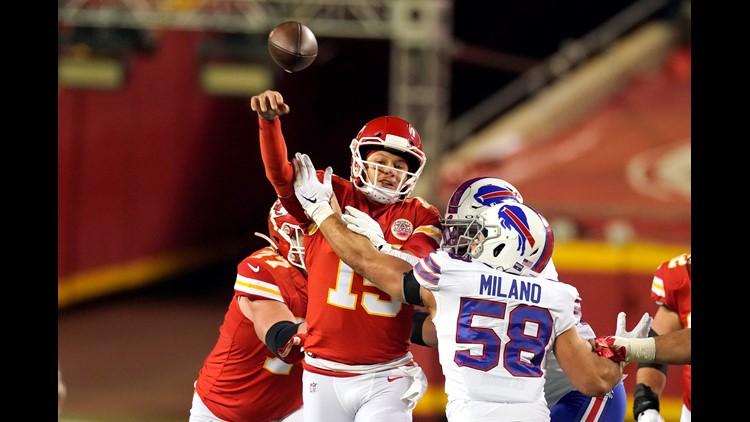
<point>292,46</point>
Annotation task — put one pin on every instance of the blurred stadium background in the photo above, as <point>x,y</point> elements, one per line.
<point>584,106</point>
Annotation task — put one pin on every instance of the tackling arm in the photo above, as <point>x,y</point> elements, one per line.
<point>384,270</point>
<point>665,321</point>
<point>674,348</point>
<point>591,374</point>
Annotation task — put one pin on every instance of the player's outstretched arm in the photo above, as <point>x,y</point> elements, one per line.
<point>357,251</point>
<point>673,348</point>
<point>591,374</point>
<point>270,105</point>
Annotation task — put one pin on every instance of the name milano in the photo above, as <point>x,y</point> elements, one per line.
<point>520,290</point>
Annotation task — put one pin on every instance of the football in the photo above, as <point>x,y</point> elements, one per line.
<point>292,46</point>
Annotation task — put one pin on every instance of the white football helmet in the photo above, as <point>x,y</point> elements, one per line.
<point>394,135</point>
<point>509,236</point>
<point>285,235</point>
<point>468,200</point>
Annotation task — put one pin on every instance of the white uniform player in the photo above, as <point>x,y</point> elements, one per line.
<point>565,403</point>
<point>500,326</point>
<point>494,331</point>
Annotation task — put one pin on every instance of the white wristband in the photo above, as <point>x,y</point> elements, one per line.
<point>640,349</point>
<point>320,213</point>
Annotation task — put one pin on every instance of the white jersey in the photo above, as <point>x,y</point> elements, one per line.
<point>494,328</point>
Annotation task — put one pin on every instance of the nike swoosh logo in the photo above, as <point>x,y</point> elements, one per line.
<point>254,268</point>
<point>391,379</point>
<point>313,200</point>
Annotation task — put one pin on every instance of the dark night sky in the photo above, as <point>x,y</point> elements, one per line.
<point>531,30</point>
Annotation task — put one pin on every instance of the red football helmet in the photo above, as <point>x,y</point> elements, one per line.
<point>286,235</point>
<point>394,135</point>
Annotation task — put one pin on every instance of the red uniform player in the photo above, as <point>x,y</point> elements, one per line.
<point>357,349</point>
<point>241,379</point>
<point>670,289</point>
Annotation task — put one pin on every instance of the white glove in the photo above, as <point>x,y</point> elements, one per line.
<point>639,331</point>
<point>313,195</point>
<point>650,415</point>
<point>361,223</point>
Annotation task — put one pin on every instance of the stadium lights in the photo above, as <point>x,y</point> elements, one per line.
<point>235,65</point>
<point>96,58</point>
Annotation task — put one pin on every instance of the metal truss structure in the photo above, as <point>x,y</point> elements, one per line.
<point>420,35</point>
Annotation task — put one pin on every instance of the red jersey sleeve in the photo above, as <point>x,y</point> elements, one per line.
<point>259,275</point>
<point>279,170</point>
<point>671,284</point>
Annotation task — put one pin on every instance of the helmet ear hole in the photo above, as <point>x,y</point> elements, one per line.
<point>499,249</point>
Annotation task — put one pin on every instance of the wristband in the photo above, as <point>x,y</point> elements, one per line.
<point>416,328</point>
<point>640,349</point>
<point>279,334</point>
<point>320,213</point>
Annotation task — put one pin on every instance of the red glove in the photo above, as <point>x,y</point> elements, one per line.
<point>605,346</point>
<point>294,349</point>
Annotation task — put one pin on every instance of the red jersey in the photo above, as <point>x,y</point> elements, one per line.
<point>241,380</point>
<point>671,288</point>
<point>349,320</point>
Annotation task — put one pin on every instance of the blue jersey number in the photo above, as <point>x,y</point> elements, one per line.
<point>529,330</point>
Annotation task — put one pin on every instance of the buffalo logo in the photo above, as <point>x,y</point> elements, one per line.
<point>513,218</point>
<point>486,195</point>
<point>402,229</point>
<point>492,194</point>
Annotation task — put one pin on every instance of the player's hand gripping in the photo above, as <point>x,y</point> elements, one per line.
<point>294,349</point>
<point>313,195</point>
<point>269,104</point>
<point>625,346</point>
<point>361,223</point>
